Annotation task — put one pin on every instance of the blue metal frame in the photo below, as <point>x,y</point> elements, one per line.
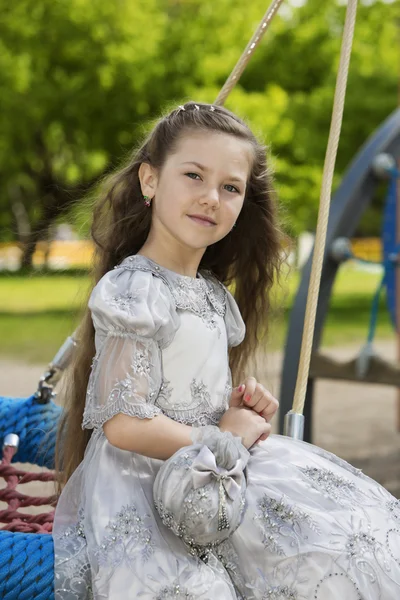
<point>348,204</point>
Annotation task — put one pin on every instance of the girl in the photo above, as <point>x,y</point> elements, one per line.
<point>172,488</point>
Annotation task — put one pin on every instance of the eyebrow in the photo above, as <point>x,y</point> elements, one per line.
<point>204,168</point>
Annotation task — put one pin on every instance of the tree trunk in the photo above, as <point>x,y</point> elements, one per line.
<point>21,216</point>
<point>34,237</point>
<point>56,200</point>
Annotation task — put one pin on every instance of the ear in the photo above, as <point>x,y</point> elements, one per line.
<point>148,180</point>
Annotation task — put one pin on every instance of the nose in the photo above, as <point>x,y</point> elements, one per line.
<point>211,198</point>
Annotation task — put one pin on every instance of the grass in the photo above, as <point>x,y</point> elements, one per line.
<point>350,309</point>
<point>38,312</point>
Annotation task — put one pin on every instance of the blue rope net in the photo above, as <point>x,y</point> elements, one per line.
<point>27,559</point>
<point>26,566</point>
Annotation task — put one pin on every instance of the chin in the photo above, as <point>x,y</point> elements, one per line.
<point>198,242</point>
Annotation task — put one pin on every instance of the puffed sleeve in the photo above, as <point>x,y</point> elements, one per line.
<point>235,326</point>
<point>134,318</point>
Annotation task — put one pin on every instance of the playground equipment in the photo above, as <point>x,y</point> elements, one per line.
<point>26,548</point>
<point>376,160</point>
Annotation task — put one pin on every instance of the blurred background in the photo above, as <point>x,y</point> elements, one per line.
<point>81,81</point>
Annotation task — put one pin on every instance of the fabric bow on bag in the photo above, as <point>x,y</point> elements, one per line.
<point>205,470</point>
<point>200,491</point>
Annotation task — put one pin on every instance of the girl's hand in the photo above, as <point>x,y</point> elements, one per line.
<point>253,395</point>
<point>246,424</point>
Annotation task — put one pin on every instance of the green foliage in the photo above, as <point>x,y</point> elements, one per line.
<point>80,81</point>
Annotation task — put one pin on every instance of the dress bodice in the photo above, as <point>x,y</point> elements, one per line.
<point>162,344</point>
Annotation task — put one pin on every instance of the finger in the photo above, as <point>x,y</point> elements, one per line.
<point>268,418</point>
<point>250,388</point>
<point>237,395</point>
<point>266,432</point>
<point>270,411</point>
<point>261,404</point>
<point>264,436</point>
<point>261,399</point>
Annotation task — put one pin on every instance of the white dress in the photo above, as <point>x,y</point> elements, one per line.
<point>304,525</point>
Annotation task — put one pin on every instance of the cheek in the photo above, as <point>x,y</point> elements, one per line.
<point>170,210</point>
<point>178,196</point>
<point>233,210</point>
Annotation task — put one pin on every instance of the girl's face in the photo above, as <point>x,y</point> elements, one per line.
<point>205,178</point>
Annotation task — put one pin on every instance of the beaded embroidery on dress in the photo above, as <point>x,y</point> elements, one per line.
<point>286,521</point>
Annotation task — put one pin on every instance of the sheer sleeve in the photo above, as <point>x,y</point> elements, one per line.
<point>235,326</point>
<point>134,318</point>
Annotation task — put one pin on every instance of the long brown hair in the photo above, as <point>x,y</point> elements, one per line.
<point>249,257</point>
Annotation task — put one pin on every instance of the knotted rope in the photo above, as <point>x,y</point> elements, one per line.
<point>26,566</point>
<point>26,560</point>
<point>36,426</point>
<point>27,433</point>
<point>15,520</point>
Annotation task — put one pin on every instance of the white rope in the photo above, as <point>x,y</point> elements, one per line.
<point>248,53</point>
<point>323,214</point>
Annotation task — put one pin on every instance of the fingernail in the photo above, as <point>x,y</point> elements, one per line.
<point>247,398</point>
<point>241,388</point>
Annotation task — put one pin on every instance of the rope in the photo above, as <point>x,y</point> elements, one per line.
<point>323,214</point>
<point>18,521</point>
<point>248,53</point>
<point>36,426</point>
<point>26,566</point>
<point>26,560</point>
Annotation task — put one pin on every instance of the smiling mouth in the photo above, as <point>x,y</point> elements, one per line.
<point>203,222</point>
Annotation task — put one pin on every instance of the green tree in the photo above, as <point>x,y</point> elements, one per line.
<point>75,84</point>
<point>287,93</point>
<point>80,81</point>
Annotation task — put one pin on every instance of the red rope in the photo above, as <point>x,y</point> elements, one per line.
<point>15,520</point>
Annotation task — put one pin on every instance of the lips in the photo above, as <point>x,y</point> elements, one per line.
<point>202,220</point>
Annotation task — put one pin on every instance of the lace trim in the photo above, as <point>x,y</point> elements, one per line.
<point>96,418</point>
<point>197,408</point>
<point>114,331</point>
<point>197,418</point>
<point>226,447</point>
<point>188,294</point>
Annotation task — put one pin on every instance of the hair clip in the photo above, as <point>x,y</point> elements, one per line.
<point>212,108</point>
<point>196,107</point>
<point>181,108</point>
